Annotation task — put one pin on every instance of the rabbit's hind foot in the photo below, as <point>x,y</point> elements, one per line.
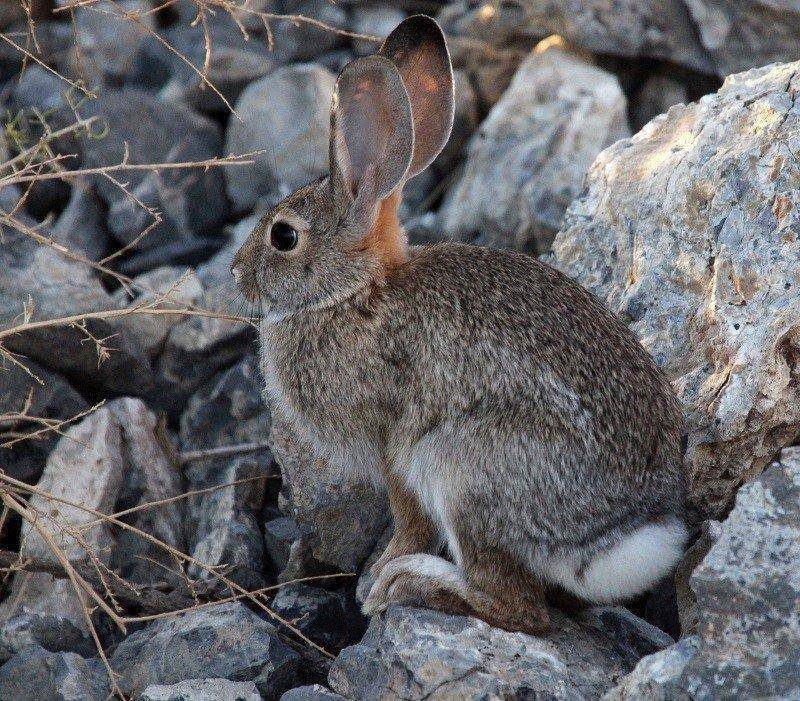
<point>438,584</point>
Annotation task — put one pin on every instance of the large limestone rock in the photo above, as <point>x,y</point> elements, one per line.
<point>689,231</point>
<point>747,643</point>
<point>413,653</point>
<point>529,157</point>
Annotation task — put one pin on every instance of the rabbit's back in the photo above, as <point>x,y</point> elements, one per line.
<point>554,401</point>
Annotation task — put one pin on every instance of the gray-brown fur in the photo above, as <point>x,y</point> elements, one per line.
<point>477,382</point>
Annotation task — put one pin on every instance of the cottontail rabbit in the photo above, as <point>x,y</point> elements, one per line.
<point>510,415</point>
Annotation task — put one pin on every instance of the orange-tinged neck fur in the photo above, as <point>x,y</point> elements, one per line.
<point>387,238</point>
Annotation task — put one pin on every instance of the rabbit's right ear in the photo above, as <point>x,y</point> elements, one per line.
<point>372,135</point>
<point>418,48</point>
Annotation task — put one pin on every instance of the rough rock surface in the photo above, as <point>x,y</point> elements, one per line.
<point>225,524</point>
<point>227,641</point>
<point>689,231</point>
<point>315,692</point>
<point>748,602</point>
<point>415,653</point>
<point>202,690</point>
<point>287,115</point>
<point>528,159</point>
<point>112,459</point>
<point>55,676</point>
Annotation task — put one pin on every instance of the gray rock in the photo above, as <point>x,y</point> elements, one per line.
<point>687,231</point>
<point>657,677</point>
<point>81,227</point>
<point>656,95</point>
<point>374,19</point>
<point>224,524</point>
<point>227,641</point>
<point>172,288</point>
<point>686,599</point>
<point>279,534</point>
<point>488,68</point>
<point>52,676</point>
<point>112,459</point>
<point>339,520</point>
<point>742,34</point>
<point>108,42</point>
<point>747,642</point>
<point>331,619</point>
<point>43,629</point>
<point>279,674</point>
<point>530,155</point>
<point>304,41</point>
<point>192,201</point>
<point>202,690</point>
<point>653,28</point>
<point>287,115</point>
<point>40,278</point>
<point>54,398</point>
<point>315,692</point>
<point>415,653</point>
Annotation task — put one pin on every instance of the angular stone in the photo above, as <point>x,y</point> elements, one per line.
<point>202,690</point>
<point>56,676</point>
<point>227,641</point>
<point>286,115</point>
<point>82,225</point>
<point>44,629</point>
<point>529,157</point>
<point>279,534</point>
<point>688,231</point>
<point>315,692</point>
<point>415,653</point>
<point>331,619</point>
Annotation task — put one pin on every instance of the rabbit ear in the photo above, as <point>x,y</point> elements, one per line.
<point>372,133</point>
<point>417,47</point>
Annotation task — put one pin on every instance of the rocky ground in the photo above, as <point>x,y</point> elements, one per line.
<point>650,150</point>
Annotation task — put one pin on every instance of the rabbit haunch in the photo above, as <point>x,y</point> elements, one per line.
<point>511,416</point>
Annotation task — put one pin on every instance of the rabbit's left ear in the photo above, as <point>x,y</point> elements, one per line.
<point>417,47</point>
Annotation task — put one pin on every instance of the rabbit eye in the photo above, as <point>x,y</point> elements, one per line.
<point>282,236</point>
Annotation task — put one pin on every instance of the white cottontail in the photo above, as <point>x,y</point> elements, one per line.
<point>511,416</point>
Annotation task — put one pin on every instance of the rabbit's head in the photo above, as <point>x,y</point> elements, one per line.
<point>391,115</point>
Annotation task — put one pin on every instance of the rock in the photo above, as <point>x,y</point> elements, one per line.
<point>651,28</point>
<point>424,229</point>
<point>46,630</point>
<point>108,42</point>
<point>657,677</point>
<point>191,200</point>
<point>53,399</point>
<point>225,524</point>
<point>489,69</point>
<point>304,41</point>
<point>51,286</point>
<point>687,231</point>
<point>377,20</point>
<point>113,459</point>
<point>331,619</point>
<point>227,641</point>
<point>686,599</point>
<point>202,690</point>
<point>742,34</point>
<point>415,653</point>
<point>315,692</point>
<point>530,155</point>
<point>465,121</point>
<point>286,115</point>
<point>55,676</point>
<point>172,288</point>
<point>279,674</point>
<point>81,227</point>
<point>339,520</point>
<point>279,534</point>
<point>233,65</point>
<point>747,639</point>
<point>656,96</point>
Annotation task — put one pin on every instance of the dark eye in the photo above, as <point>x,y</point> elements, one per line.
<point>282,236</point>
